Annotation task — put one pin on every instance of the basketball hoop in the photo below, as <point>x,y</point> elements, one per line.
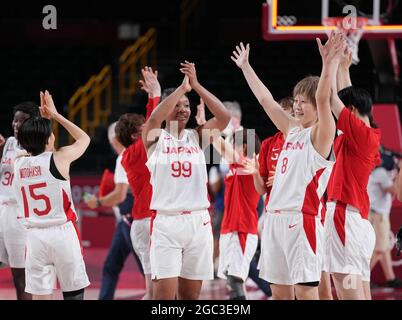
<point>352,27</point>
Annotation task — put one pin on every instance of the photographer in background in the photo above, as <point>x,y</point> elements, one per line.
<point>381,188</point>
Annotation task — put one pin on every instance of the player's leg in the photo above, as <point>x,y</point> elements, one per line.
<point>140,239</point>
<point>42,297</point>
<point>68,261</point>
<point>19,283</point>
<point>367,290</point>
<point>349,286</point>
<point>165,289</point>
<point>307,291</point>
<point>282,292</point>
<point>114,263</point>
<point>324,288</point>
<point>189,289</point>
<point>74,295</point>
<point>197,254</point>
<point>14,241</point>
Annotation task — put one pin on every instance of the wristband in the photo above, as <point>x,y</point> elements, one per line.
<point>98,203</point>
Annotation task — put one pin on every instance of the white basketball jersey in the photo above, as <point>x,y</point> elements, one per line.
<point>301,176</point>
<point>178,173</point>
<point>44,200</point>
<point>10,151</point>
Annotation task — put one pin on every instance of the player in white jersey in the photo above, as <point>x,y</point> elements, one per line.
<point>181,233</point>
<point>291,241</point>
<point>12,232</point>
<point>42,187</point>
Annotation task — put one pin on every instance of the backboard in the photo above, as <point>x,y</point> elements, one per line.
<point>298,20</point>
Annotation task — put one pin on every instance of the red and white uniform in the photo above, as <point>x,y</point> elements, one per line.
<point>349,236</point>
<point>12,232</point>
<point>238,240</point>
<point>268,157</point>
<point>181,236</point>
<point>291,242</point>
<point>53,246</point>
<point>134,163</point>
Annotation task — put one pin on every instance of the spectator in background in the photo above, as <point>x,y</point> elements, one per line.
<point>121,200</point>
<point>381,189</point>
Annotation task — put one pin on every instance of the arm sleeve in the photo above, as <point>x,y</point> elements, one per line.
<point>262,158</point>
<point>354,129</point>
<point>151,105</point>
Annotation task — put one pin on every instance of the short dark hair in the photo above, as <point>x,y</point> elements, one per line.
<point>167,92</point>
<point>128,124</point>
<point>34,134</point>
<point>28,107</point>
<point>246,136</point>
<point>360,99</point>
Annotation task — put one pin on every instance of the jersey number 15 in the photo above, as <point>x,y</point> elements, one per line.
<point>36,197</point>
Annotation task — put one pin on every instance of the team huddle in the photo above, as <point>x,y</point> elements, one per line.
<point>313,173</point>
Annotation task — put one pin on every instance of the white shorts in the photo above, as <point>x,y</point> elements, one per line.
<point>291,249</point>
<point>141,240</point>
<point>12,237</point>
<point>235,255</point>
<point>349,241</point>
<point>54,251</point>
<point>182,246</point>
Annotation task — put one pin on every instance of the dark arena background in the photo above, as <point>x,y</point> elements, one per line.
<point>91,64</point>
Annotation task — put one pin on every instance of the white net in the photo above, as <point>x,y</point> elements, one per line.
<point>352,27</point>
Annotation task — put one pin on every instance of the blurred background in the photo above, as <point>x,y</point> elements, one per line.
<point>91,64</point>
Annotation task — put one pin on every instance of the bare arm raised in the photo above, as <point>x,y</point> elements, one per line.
<point>324,131</point>
<point>162,111</point>
<point>221,114</point>
<point>65,155</point>
<point>261,92</point>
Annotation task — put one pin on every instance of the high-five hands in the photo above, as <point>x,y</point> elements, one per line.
<point>150,84</point>
<point>334,48</point>
<point>47,108</point>
<point>188,69</point>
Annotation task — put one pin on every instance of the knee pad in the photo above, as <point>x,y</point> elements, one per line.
<point>236,288</point>
<point>74,295</point>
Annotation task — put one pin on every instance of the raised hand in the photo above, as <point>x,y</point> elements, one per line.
<point>47,108</point>
<point>2,140</point>
<point>346,58</point>
<point>240,55</point>
<point>186,84</point>
<point>200,116</point>
<point>150,84</point>
<point>188,68</point>
<point>334,48</point>
<point>251,166</point>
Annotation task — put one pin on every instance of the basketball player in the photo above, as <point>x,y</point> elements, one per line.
<point>291,244</point>
<point>128,132</point>
<point>42,187</point>
<point>181,236</point>
<point>238,239</point>
<point>263,169</point>
<point>12,232</point>
<point>349,236</point>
